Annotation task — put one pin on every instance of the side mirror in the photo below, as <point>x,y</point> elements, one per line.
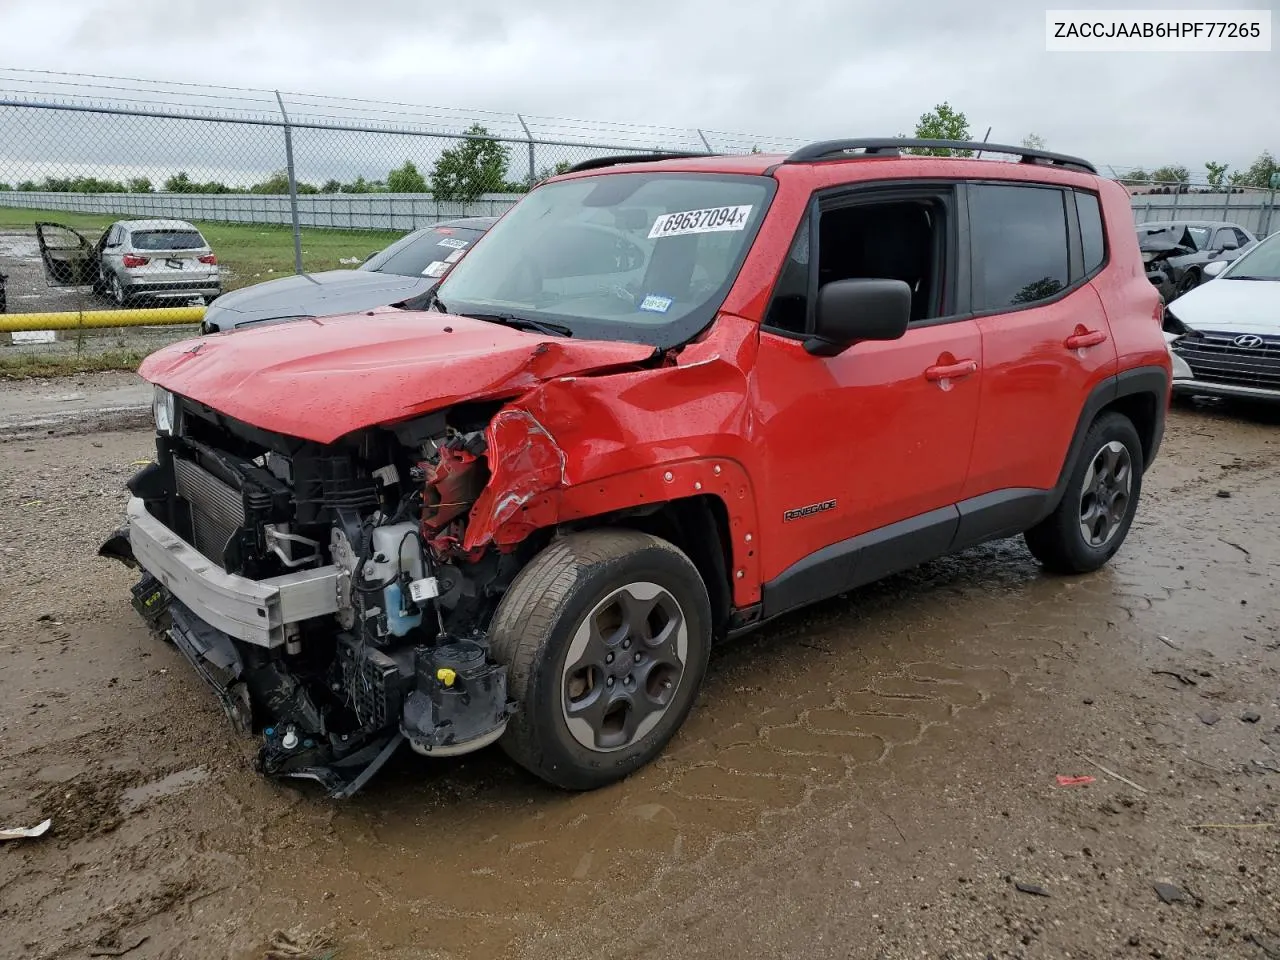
<point>850,311</point>
<point>1231,243</point>
<point>1215,268</point>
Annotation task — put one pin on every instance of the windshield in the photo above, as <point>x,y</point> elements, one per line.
<point>424,253</point>
<point>167,240</point>
<point>627,256</point>
<point>1260,263</point>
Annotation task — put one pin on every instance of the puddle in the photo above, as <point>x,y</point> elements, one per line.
<point>138,797</point>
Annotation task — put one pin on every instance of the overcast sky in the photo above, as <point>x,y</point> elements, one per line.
<point>809,69</point>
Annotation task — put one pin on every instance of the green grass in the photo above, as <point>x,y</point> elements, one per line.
<point>31,366</point>
<point>250,252</point>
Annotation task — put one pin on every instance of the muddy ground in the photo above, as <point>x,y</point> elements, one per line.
<point>872,778</point>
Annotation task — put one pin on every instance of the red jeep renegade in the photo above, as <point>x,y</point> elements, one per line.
<point>662,401</point>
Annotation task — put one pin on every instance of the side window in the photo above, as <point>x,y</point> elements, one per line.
<point>899,239</point>
<point>1092,240</point>
<point>1224,238</point>
<point>1241,237</point>
<point>1019,241</point>
<point>789,308</point>
<point>113,237</point>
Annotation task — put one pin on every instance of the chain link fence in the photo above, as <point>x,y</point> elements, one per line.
<point>278,183</point>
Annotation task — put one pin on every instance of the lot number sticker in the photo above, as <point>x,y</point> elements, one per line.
<point>452,242</point>
<point>437,268</point>
<point>710,220</point>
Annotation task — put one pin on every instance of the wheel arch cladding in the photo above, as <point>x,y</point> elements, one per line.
<point>1142,395</point>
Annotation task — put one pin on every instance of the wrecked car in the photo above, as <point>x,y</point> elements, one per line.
<point>1176,253</point>
<point>661,402</point>
<point>132,260</point>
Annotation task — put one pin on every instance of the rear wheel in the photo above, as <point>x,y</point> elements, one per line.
<point>606,637</point>
<point>118,296</point>
<point>1189,282</point>
<point>1097,508</point>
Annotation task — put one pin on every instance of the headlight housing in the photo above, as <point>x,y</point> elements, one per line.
<point>167,412</point>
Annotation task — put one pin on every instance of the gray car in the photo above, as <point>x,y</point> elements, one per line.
<point>407,270</point>
<point>165,259</point>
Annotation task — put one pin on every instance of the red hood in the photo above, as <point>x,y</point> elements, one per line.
<point>323,378</point>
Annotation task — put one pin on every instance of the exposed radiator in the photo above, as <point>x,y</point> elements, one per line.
<point>217,510</point>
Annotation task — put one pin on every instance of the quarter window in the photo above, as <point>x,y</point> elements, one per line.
<point>1019,245</point>
<point>1093,246</point>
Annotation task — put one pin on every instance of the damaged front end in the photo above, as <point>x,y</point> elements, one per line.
<point>328,593</point>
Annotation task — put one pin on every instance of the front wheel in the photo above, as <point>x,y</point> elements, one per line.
<point>1097,508</point>
<point>606,636</point>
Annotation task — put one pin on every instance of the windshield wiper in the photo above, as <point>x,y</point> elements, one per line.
<point>522,323</point>
<point>1246,276</point>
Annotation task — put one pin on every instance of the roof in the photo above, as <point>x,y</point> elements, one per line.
<point>1154,225</point>
<point>157,225</point>
<point>837,169</point>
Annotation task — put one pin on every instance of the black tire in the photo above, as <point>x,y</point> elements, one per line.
<point>119,296</point>
<point>1189,282</point>
<point>1058,541</point>
<point>534,628</point>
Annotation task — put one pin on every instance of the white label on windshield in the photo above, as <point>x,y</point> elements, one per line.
<point>455,256</point>
<point>437,268</point>
<point>710,220</point>
<point>452,243</point>
<point>655,304</point>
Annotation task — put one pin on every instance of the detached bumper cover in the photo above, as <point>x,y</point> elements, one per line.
<point>255,611</point>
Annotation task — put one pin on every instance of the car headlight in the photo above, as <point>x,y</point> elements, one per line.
<point>165,408</point>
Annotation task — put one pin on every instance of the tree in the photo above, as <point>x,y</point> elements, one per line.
<point>1136,175</point>
<point>943,123</point>
<point>476,166</point>
<point>1033,141</point>
<point>331,186</point>
<point>1217,173</point>
<point>140,185</point>
<point>1170,173</point>
<point>179,183</point>
<point>276,184</point>
<point>27,186</point>
<point>406,179</point>
<point>1260,171</point>
<point>5,187</point>
<point>359,185</point>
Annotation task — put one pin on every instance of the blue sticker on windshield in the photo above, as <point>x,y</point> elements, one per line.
<point>656,304</point>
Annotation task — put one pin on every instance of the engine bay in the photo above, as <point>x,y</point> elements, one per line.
<point>404,657</point>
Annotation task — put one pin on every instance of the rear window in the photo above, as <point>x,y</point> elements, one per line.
<point>1092,243</point>
<point>428,254</point>
<point>167,240</point>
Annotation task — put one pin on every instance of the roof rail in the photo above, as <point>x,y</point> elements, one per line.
<point>841,149</point>
<point>595,163</point>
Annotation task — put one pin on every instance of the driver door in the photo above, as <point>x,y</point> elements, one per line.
<point>866,452</point>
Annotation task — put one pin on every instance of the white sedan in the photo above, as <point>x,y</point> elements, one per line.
<point>1225,334</point>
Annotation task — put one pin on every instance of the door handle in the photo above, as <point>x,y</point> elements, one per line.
<point>1089,338</point>
<point>951,371</point>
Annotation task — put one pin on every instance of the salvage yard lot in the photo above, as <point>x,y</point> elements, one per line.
<point>249,253</point>
<point>867,779</point>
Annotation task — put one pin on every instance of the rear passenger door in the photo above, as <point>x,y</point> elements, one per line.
<point>1045,339</point>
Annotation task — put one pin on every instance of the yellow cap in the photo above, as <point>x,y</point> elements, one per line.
<point>446,676</point>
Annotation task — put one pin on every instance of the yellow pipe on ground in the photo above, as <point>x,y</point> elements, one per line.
<point>78,319</point>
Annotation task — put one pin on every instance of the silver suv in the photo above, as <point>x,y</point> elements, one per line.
<point>157,258</point>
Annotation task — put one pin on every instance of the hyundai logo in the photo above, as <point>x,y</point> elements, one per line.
<point>1248,340</point>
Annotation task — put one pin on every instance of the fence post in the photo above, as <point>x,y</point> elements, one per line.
<point>293,186</point>
<point>703,137</point>
<point>528,136</point>
<point>1177,195</point>
<point>1271,212</point>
